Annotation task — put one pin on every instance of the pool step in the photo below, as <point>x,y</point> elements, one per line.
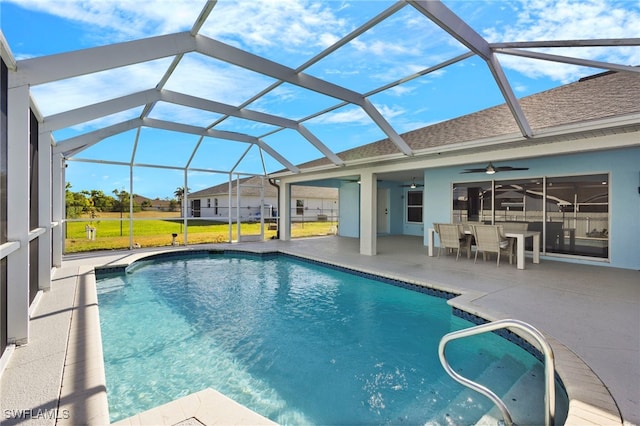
<point>525,400</point>
<point>469,405</point>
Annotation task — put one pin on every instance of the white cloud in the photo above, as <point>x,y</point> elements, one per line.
<point>570,20</point>
<point>88,89</point>
<point>285,24</point>
<point>215,80</point>
<point>117,20</point>
<point>347,115</point>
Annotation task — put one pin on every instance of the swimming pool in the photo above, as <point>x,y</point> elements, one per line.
<point>296,342</point>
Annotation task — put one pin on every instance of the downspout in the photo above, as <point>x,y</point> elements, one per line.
<point>272,182</point>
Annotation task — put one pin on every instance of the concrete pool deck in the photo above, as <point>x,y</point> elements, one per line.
<point>589,314</point>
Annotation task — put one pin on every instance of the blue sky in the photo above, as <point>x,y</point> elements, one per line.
<point>292,32</point>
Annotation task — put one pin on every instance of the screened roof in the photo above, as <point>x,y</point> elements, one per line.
<point>257,87</point>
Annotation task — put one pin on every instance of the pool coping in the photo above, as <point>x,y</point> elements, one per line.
<point>590,402</point>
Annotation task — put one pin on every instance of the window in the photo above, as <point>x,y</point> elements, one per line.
<point>571,212</point>
<point>472,202</point>
<point>215,204</point>
<point>208,202</point>
<point>300,207</point>
<point>578,215</point>
<point>414,206</point>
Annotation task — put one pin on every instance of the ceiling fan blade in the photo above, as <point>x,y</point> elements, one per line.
<point>490,169</point>
<point>508,168</point>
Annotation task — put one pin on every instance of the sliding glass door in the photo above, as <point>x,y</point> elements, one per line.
<point>579,213</point>
<point>571,212</point>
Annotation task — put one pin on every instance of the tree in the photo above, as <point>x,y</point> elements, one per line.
<point>101,201</point>
<point>76,203</point>
<point>180,192</point>
<point>122,198</point>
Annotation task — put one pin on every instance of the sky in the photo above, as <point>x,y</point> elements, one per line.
<point>292,32</point>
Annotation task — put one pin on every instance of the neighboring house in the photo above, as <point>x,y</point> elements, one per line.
<point>307,202</point>
<point>577,179</point>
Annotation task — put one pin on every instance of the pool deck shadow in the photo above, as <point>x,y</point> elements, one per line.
<point>589,314</point>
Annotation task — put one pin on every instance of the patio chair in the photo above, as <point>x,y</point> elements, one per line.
<point>491,239</point>
<point>452,236</point>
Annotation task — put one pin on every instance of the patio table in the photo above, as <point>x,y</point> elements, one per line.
<point>520,237</point>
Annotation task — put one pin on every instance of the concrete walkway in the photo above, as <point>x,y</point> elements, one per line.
<point>588,313</point>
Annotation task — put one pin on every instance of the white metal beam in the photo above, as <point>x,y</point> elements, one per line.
<point>113,106</point>
<point>319,145</point>
<point>196,130</point>
<point>6,54</point>
<point>568,60</point>
<point>442,16</point>
<point>238,137</point>
<point>46,69</point>
<point>509,97</point>
<point>600,42</point>
<point>221,108</point>
<point>202,17</point>
<point>437,12</point>
<point>276,155</point>
<point>249,61</point>
<point>98,110</point>
<point>386,127</point>
<point>229,110</point>
<point>86,140</point>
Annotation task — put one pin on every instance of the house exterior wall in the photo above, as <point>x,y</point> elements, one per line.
<point>250,207</point>
<point>624,200</point>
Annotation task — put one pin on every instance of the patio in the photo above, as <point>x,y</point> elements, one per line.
<point>591,310</point>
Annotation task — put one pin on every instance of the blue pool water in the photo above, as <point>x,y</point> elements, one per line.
<point>295,342</point>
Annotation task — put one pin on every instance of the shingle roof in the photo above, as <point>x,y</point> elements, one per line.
<point>604,95</point>
<point>252,190</point>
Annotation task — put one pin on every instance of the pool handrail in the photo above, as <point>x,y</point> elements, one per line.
<point>549,365</point>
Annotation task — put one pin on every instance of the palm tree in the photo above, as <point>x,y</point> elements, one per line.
<point>179,193</point>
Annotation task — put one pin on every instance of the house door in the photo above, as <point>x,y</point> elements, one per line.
<point>383,211</point>
<point>195,208</point>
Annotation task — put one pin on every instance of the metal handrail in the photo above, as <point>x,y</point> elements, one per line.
<point>549,365</point>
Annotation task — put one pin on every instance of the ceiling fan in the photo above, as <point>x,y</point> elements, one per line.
<point>413,184</point>
<point>491,169</point>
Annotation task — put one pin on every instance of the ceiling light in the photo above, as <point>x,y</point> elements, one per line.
<point>490,170</point>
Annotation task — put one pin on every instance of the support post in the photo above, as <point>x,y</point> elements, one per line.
<point>284,212</point>
<point>57,208</point>
<point>44,211</point>
<point>17,215</point>
<point>368,213</point>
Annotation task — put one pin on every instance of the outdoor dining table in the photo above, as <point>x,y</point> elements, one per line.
<point>520,237</point>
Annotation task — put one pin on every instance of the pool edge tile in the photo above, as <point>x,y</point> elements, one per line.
<point>207,406</point>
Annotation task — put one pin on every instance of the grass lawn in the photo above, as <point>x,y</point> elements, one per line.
<point>151,231</point>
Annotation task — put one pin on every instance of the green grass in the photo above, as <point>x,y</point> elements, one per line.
<point>113,234</point>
